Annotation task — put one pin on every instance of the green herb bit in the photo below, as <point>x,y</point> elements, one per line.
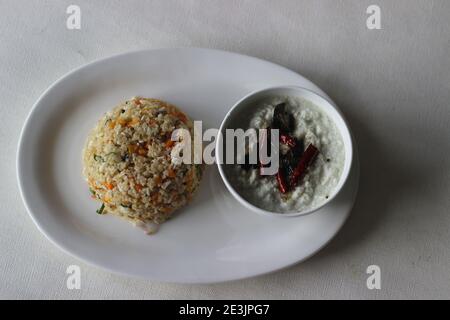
<point>100,211</point>
<point>98,158</point>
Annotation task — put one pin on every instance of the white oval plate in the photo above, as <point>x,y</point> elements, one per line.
<point>213,239</point>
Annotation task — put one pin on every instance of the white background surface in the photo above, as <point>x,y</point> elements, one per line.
<point>393,85</point>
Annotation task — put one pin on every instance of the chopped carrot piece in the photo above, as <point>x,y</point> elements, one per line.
<point>157,180</point>
<point>123,121</point>
<point>155,197</point>
<point>169,144</point>
<point>190,176</point>
<point>108,185</point>
<point>171,173</point>
<point>142,151</point>
<point>133,122</point>
<point>132,148</point>
<point>138,187</point>
<point>190,180</point>
<point>111,124</point>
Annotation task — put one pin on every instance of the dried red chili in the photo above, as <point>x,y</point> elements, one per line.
<point>305,161</point>
<point>288,140</point>
<point>282,184</point>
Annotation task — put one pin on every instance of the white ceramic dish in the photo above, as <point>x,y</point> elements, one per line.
<point>215,238</point>
<point>244,106</point>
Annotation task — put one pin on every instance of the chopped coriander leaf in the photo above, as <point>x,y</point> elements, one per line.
<point>98,158</point>
<point>100,211</point>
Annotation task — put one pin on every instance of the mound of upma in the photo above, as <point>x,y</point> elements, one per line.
<point>128,165</point>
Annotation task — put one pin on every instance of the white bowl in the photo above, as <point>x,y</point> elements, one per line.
<point>237,113</point>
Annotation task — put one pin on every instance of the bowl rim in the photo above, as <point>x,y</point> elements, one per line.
<point>347,163</point>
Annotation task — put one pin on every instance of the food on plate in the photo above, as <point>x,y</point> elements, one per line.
<point>311,157</point>
<point>128,165</point>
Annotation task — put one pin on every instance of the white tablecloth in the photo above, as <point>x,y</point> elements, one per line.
<point>393,85</point>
